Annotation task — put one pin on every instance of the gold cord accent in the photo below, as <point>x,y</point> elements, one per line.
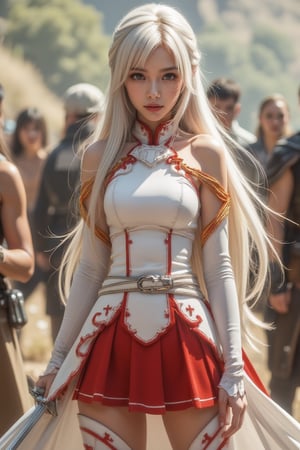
<point>203,177</point>
<point>86,190</point>
<point>221,194</point>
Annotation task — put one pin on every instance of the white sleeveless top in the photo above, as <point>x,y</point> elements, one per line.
<point>151,208</point>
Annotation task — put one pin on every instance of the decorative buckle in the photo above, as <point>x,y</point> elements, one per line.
<point>154,283</point>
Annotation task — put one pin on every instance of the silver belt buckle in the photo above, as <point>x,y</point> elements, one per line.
<point>151,284</point>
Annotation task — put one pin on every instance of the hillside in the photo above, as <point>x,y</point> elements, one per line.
<point>243,16</point>
<point>25,87</point>
<point>239,18</point>
<point>239,15</point>
<point>252,41</point>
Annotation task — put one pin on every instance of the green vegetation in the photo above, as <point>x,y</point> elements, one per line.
<point>262,65</point>
<point>62,38</point>
<point>254,42</point>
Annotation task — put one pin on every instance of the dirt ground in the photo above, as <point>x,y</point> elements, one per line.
<point>36,346</point>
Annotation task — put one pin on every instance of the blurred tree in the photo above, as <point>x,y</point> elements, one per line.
<point>264,59</point>
<point>214,45</point>
<point>257,65</point>
<point>4,7</point>
<point>62,38</point>
<point>274,39</point>
<point>221,52</point>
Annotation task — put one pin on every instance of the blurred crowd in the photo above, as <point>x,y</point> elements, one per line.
<point>50,177</point>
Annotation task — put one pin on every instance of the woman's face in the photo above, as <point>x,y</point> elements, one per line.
<point>30,136</point>
<point>274,119</point>
<point>155,88</point>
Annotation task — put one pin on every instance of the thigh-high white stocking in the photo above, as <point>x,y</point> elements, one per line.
<point>97,436</point>
<point>210,437</point>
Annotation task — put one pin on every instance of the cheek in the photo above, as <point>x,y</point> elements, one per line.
<point>175,92</point>
<point>265,122</point>
<point>132,93</point>
<point>23,136</point>
<point>179,87</point>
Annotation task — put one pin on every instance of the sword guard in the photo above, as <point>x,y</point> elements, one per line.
<point>38,395</point>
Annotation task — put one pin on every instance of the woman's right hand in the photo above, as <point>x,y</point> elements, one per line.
<point>44,382</point>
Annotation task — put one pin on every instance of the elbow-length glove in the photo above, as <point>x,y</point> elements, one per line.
<point>87,280</point>
<point>223,299</point>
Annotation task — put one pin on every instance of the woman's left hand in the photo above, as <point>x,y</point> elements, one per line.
<point>231,412</point>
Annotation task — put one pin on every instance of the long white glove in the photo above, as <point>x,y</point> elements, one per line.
<point>87,280</point>
<point>223,299</point>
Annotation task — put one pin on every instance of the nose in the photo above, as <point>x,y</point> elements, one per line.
<point>153,91</point>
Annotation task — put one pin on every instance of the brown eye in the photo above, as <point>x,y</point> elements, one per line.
<point>170,76</point>
<point>137,76</point>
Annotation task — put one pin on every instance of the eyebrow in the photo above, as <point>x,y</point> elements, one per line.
<point>166,69</point>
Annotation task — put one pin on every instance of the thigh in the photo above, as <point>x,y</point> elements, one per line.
<point>130,426</point>
<point>183,426</point>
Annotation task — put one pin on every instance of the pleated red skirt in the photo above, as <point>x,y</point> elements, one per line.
<point>179,370</point>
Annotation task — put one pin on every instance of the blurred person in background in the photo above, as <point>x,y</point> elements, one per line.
<point>224,97</point>
<point>29,153</point>
<point>55,213</point>
<point>273,124</point>
<point>283,171</point>
<point>16,263</point>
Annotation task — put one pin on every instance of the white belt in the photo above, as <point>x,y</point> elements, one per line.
<point>153,284</point>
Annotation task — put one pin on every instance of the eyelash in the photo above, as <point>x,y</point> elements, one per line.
<point>141,77</point>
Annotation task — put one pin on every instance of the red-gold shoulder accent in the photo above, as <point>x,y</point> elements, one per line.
<point>121,164</point>
<point>221,194</point>
<point>86,189</point>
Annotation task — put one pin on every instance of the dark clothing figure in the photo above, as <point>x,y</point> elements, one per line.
<point>259,177</point>
<point>258,150</point>
<point>56,210</point>
<point>284,340</point>
<point>250,166</point>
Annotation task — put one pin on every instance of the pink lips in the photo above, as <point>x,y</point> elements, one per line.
<point>153,108</point>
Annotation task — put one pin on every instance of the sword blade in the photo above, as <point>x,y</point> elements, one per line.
<point>32,420</point>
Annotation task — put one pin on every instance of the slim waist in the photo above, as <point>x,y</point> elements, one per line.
<point>185,284</point>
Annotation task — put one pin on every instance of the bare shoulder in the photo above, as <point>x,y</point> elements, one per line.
<point>207,150</point>
<point>9,173</point>
<point>210,155</point>
<point>11,184</point>
<point>92,159</point>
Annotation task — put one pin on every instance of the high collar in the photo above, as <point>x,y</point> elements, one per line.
<point>161,135</point>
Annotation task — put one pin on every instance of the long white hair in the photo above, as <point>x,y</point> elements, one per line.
<point>139,32</point>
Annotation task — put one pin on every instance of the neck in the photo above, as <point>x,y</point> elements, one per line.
<point>270,142</point>
<point>160,135</point>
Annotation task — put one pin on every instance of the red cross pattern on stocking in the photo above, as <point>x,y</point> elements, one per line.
<point>207,440</point>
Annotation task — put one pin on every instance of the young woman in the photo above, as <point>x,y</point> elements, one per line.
<point>29,150</point>
<point>273,124</point>
<point>29,153</point>
<point>161,259</point>
<point>16,263</point>
<point>283,308</point>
